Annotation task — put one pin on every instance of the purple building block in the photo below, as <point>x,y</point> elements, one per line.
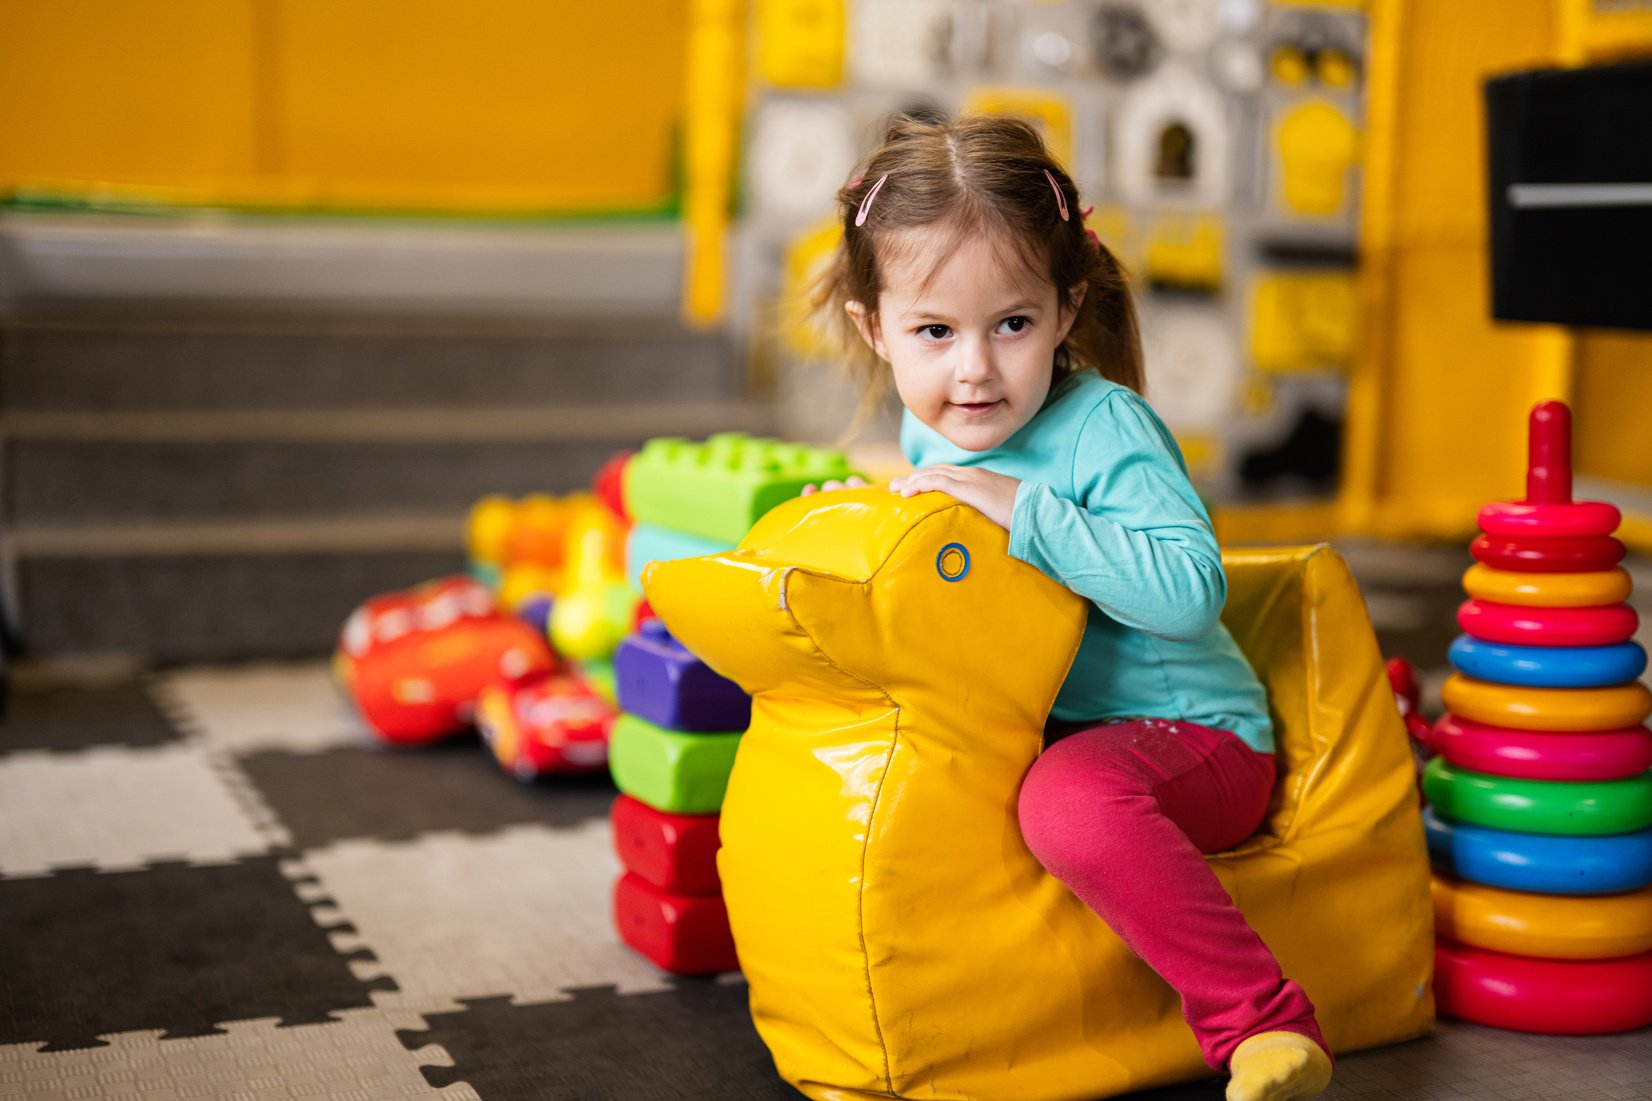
<point>658,679</point>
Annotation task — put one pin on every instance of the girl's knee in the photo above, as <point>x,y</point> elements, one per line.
<point>1063,809</point>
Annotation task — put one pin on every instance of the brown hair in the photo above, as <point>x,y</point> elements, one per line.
<point>969,177</point>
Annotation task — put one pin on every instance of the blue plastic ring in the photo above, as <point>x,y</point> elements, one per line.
<point>1548,666</point>
<point>1545,863</point>
<point>940,562</point>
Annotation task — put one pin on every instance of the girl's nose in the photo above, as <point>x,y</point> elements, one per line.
<point>974,362</point>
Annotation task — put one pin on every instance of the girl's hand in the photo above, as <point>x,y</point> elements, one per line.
<point>853,481</point>
<point>992,495</point>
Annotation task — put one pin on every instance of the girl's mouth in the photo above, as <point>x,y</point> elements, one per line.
<point>976,408</point>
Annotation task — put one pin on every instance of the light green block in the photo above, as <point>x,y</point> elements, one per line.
<point>720,488</point>
<point>669,770</point>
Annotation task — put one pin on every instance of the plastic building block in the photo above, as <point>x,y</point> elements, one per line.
<point>658,679</point>
<point>671,771</point>
<point>682,934</point>
<point>720,488</point>
<point>646,543</point>
<point>675,852</point>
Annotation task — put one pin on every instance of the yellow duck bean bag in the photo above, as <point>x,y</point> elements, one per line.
<point>897,936</point>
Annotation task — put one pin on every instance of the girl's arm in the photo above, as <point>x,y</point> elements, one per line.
<point>1138,543</point>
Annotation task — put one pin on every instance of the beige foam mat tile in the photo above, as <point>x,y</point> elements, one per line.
<point>292,706</point>
<point>523,913</point>
<point>357,1058</point>
<point>117,809</point>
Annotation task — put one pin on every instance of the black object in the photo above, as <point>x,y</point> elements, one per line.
<point>1570,168</point>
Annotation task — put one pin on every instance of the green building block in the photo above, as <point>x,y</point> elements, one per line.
<point>720,488</point>
<point>669,770</point>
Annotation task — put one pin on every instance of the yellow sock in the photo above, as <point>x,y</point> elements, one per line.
<point>1277,1066</point>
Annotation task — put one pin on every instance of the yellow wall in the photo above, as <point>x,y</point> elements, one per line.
<point>153,92</point>
<point>1440,392</point>
<point>507,106</point>
<point>1612,397</point>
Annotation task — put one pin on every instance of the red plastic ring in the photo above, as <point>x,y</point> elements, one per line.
<point>1559,997</point>
<point>1542,755</point>
<point>1523,625</point>
<point>1558,555</point>
<point>1572,519</point>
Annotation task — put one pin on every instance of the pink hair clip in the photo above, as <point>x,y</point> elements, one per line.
<point>1060,199</point>
<point>866,203</point>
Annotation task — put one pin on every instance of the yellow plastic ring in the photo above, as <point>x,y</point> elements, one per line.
<point>1548,590</point>
<point>1565,927</point>
<point>1556,709</point>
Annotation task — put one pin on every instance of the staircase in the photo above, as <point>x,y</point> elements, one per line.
<point>193,471</point>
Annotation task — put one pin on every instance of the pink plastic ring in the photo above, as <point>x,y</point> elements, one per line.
<point>1574,519</point>
<point>1568,555</point>
<point>1542,755</point>
<point>1524,625</point>
<point>1559,997</point>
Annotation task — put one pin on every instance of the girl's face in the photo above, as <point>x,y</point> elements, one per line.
<point>972,342</point>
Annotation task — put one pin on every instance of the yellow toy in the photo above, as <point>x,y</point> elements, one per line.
<point>1547,709</point>
<point>898,937</point>
<point>595,607</point>
<point>1548,590</point>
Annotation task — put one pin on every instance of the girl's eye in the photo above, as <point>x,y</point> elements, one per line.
<point>1014,324</point>
<point>934,332</point>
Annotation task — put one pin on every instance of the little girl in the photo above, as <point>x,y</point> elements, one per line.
<point>1010,335</point>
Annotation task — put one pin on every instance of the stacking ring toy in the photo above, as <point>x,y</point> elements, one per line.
<point>1560,997</point>
<point>1570,807</point>
<point>1548,508</point>
<point>1563,555</point>
<point>1543,755</point>
<point>1600,625</point>
<point>1559,518</point>
<point>1540,862</point>
<point>1548,666</point>
<point>1551,926</point>
<point>1554,709</point>
<point>1548,590</point>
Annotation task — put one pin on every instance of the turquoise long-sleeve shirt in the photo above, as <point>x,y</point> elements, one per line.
<point>1105,507</point>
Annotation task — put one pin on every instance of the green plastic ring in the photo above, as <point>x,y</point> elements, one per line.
<point>1577,808</point>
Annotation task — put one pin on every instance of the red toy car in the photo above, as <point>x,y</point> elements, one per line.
<point>415,662</point>
<point>554,722</point>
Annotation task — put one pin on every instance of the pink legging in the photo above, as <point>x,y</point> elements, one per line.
<point>1120,813</point>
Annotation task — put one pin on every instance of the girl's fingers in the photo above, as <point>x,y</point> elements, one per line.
<point>854,481</point>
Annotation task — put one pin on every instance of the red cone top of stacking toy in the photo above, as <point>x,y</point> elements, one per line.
<point>1548,510</point>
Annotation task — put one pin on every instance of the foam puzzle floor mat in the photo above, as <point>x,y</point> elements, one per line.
<point>213,884</point>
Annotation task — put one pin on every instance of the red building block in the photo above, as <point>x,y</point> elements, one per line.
<point>675,852</point>
<point>682,934</point>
